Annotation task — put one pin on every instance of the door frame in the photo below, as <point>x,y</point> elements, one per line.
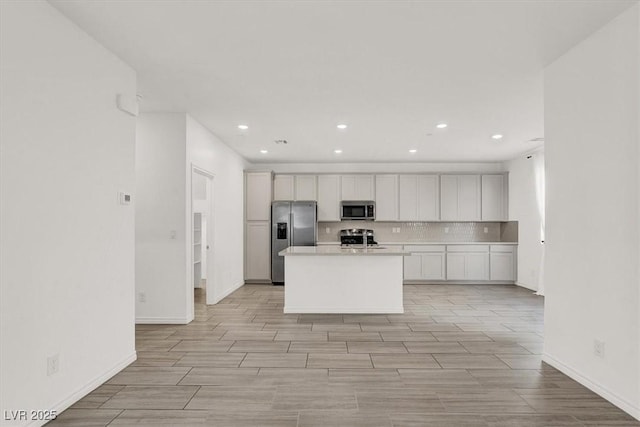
<point>210,286</point>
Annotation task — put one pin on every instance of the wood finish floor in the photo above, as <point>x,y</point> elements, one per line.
<point>460,356</point>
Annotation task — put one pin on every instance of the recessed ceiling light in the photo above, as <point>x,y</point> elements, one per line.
<point>441,125</point>
<point>243,127</point>
<point>337,151</point>
<point>342,126</point>
<point>496,136</point>
<point>413,151</point>
<point>264,151</point>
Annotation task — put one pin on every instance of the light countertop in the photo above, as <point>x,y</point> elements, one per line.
<point>337,250</point>
<point>428,243</point>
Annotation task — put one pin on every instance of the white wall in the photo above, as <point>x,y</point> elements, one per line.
<point>67,247</point>
<point>206,151</point>
<point>523,207</point>
<point>377,167</point>
<point>592,281</point>
<point>160,219</point>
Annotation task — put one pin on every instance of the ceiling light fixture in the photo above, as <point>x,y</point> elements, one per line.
<point>337,151</point>
<point>243,127</point>
<point>441,125</point>
<point>264,151</point>
<point>413,151</point>
<point>496,136</point>
<point>342,126</point>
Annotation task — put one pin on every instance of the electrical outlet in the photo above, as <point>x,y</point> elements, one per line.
<point>327,230</point>
<point>142,297</point>
<point>53,364</point>
<point>598,348</point>
<point>173,234</point>
<point>446,230</point>
<point>486,230</point>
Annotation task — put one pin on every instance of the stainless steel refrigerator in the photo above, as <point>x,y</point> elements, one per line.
<point>292,224</point>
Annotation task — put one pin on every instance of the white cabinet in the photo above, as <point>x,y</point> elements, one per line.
<point>502,263</point>
<point>419,198</point>
<point>494,198</point>
<point>258,251</point>
<point>329,198</point>
<point>283,187</point>
<point>357,187</point>
<point>258,196</point>
<point>467,262</point>
<point>460,198</point>
<point>305,187</point>
<point>426,262</point>
<point>386,197</point>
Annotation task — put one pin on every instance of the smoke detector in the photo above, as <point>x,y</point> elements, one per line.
<point>281,141</point>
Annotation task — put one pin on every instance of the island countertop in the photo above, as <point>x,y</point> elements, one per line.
<point>337,250</point>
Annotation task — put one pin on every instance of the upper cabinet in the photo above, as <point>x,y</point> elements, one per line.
<point>494,198</point>
<point>283,187</point>
<point>419,198</point>
<point>305,187</point>
<point>258,196</point>
<point>460,198</point>
<point>386,197</point>
<point>294,187</point>
<point>329,198</point>
<point>357,187</point>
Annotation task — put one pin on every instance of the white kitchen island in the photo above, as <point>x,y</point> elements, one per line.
<point>330,279</point>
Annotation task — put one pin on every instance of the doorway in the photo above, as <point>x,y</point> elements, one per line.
<point>201,261</point>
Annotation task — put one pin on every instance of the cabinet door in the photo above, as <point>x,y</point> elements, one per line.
<point>386,197</point>
<point>433,266</point>
<point>407,194</point>
<point>502,266</point>
<point>413,267</point>
<point>357,187</point>
<point>455,266</point>
<point>258,196</point>
<point>494,203</point>
<point>305,187</point>
<point>448,198</point>
<point>476,266</point>
<point>329,198</point>
<point>469,198</point>
<point>258,258</point>
<point>428,198</point>
<point>460,198</point>
<point>283,187</point>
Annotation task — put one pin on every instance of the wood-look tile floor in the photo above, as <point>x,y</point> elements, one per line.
<point>459,356</point>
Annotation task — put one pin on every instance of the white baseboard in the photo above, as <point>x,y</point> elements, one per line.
<point>605,393</point>
<point>162,320</point>
<point>88,388</point>
<point>226,293</point>
<point>343,310</point>
<point>524,285</point>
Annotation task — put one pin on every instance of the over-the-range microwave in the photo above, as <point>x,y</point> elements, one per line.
<point>358,210</point>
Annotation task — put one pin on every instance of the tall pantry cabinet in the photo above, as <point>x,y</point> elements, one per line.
<point>258,193</point>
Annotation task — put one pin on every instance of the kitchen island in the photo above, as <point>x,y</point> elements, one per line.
<point>329,279</point>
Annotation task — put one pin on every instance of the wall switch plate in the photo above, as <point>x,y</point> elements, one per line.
<point>125,198</point>
<point>142,297</point>
<point>598,348</point>
<point>173,234</point>
<point>53,364</point>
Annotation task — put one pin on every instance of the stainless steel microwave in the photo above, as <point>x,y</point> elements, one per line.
<point>358,210</point>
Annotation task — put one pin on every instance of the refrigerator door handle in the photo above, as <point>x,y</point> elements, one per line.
<point>291,229</point>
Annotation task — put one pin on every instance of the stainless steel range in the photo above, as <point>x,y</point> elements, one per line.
<point>357,237</point>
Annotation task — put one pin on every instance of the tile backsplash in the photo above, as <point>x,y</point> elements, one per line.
<point>425,231</point>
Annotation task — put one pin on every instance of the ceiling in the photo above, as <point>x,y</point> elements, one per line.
<point>390,70</point>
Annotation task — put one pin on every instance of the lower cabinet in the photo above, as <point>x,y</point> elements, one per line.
<point>258,251</point>
<point>503,263</point>
<point>426,262</point>
<point>468,266</point>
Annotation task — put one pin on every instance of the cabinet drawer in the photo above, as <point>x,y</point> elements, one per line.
<point>467,248</point>
<point>502,248</point>
<point>425,248</point>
